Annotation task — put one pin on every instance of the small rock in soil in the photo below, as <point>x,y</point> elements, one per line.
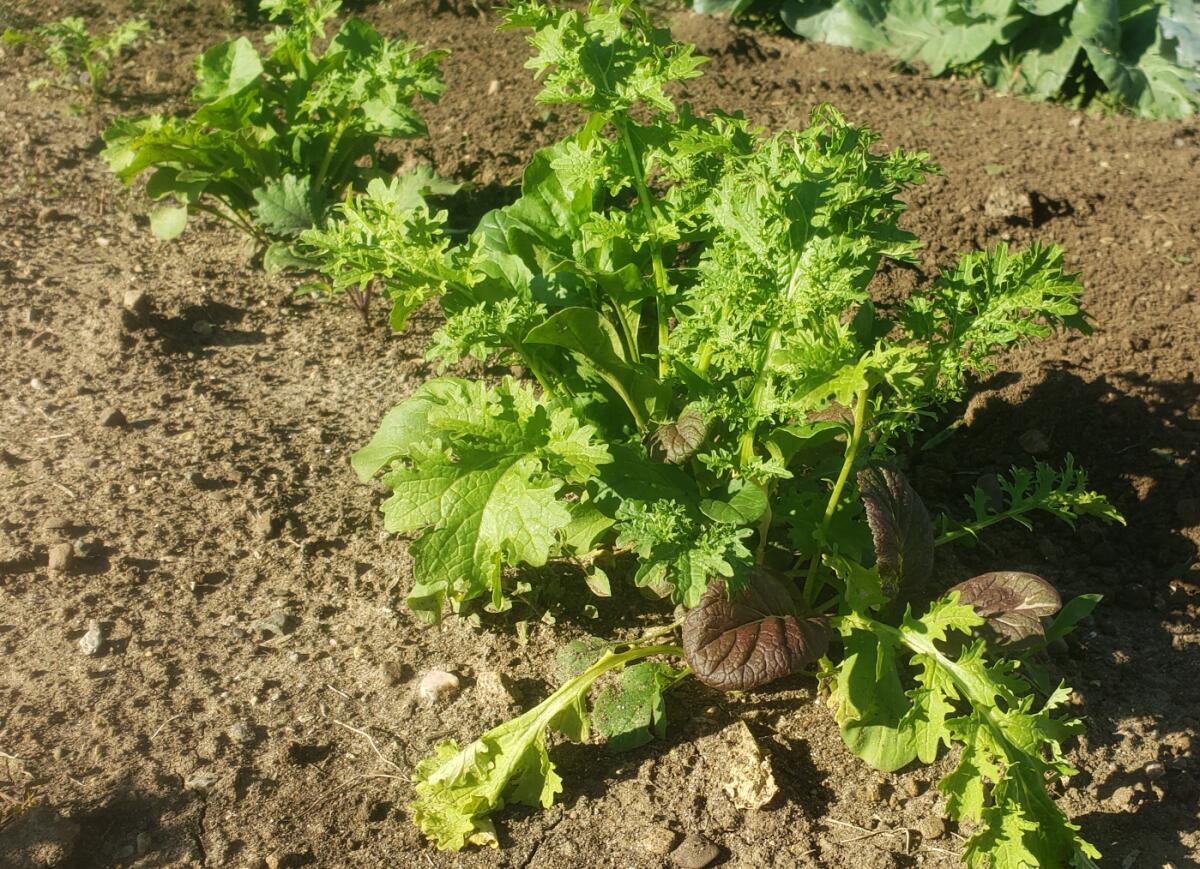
<point>203,328</point>
<point>201,780</point>
<point>40,837</point>
<point>1155,770</point>
<point>1122,797</point>
<point>1034,443</point>
<point>241,732</point>
<point>1008,204</point>
<point>93,641</point>
<point>656,841</point>
<point>871,792</point>
<point>59,557</point>
<point>265,526</point>
<point>931,829</point>
<point>695,852</point>
<point>136,302</point>
<point>912,787</point>
<point>143,843</point>
<point>438,686</point>
<point>112,417</point>
<point>277,624</point>
<point>88,547</point>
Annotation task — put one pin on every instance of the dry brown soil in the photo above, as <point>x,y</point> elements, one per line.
<point>198,736</point>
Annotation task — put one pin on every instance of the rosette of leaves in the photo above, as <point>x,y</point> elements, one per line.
<point>718,411</point>
<point>276,140</point>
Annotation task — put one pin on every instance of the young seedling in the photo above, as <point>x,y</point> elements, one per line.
<point>82,59</point>
<point>276,141</point>
<point>721,407</point>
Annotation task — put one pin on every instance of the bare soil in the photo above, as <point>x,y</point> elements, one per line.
<point>201,735</point>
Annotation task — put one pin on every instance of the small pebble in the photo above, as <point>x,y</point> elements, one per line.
<point>278,623</point>
<point>59,557</point>
<point>88,547</point>
<point>265,526</point>
<point>931,829</point>
<point>201,780</point>
<point>203,328</point>
<point>112,417</point>
<point>912,787</point>
<point>395,673</point>
<point>493,87</point>
<point>93,641</point>
<point>438,686</point>
<point>496,687</point>
<point>241,732</point>
<point>143,843</point>
<point>1122,797</point>
<point>695,852</point>
<point>136,302</point>
<point>1155,770</point>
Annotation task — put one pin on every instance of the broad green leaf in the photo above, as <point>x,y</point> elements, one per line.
<point>872,704</point>
<point>1075,611</point>
<point>168,221</point>
<point>403,427</point>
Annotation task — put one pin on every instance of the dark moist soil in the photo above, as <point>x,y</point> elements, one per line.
<point>202,735</point>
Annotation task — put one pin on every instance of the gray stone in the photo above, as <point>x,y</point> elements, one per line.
<point>695,852</point>
<point>277,624</point>
<point>93,640</point>
<point>88,547</point>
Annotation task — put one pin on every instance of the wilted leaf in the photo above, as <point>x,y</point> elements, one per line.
<point>900,526</point>
<point>630,712</point>
<point>1012,603</point>
<point>755,638</point>
<point>676,442</point>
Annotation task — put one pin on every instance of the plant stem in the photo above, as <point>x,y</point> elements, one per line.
<point>973,527</point>
<point>663,288</point>
<point>812,585</point>
<point>319,182</point>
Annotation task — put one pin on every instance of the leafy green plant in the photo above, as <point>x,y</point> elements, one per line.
<point>377,237</point>
<point>82,59</point>
<point>277,140</point>
<point>720,414</point>
<point>1144,55</point>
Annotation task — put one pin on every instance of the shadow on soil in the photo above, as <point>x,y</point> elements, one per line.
<point>1132,658</point>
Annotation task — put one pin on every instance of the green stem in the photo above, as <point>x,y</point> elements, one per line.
<point>662,287</point>
<point>971,529</point>
<point>319,183</point>
<point>812,583</point>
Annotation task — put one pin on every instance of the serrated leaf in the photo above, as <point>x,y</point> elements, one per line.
<point>677,441</point>
<point>287,206</point>
<point>754,638</point>
<point>403,426</point>
<point>630,712</point>
<point>1013,604</point>
<point>900,526</point>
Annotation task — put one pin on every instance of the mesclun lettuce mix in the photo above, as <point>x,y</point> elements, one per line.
<point>1142,55</point>
<point>277,140</point>
<point>717,399</point>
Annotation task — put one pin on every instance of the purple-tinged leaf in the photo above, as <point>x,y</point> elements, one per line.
<point>756,637</point>
<point>900,526</point>
<point>676,442</point>
<point>1012,603</point>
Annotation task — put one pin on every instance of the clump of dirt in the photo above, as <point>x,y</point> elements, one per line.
<point>249,612</point>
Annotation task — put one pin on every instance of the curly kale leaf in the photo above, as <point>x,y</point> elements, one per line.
<point>1009,747</point>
